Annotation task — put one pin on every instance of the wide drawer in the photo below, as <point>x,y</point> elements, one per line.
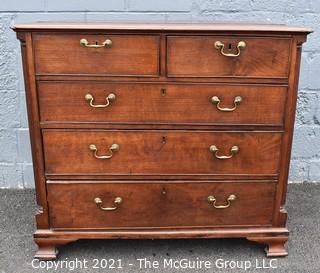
<point>129,55</point>
<point>203,56</point>
<point>160,152</point>
<point>145,103</point>
<point>114,205</point>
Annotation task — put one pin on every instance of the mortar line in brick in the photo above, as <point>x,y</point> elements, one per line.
<point>126,5</point>
<point>309,90</point>
<point>139,12</point>
<point>13,13</point>
<point>5,163</point>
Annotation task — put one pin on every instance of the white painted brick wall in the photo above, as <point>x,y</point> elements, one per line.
<point>15,156</point>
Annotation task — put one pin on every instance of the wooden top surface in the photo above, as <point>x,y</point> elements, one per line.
<point>177,26</point>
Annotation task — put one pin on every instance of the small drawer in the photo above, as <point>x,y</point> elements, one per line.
<point>122,152</point>
<point>146,103</point>
<point>83,54</point>
<point>228,56</point>
<point>98,205</point>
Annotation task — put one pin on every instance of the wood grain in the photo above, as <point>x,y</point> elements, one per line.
<point>159,204</point>
<point>196,56</point>
<point>160,152</point>
<point>42,218</point>
<point>280,216</point>
<point>152,26</point>
<point>146,103</point>
<point>163,170</point>
<point>130,55</point>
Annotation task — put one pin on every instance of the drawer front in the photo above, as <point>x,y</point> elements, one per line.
<point>160,152</point>
<point>197,56</point>
<point>161,103</point>
<point>129,55</point>
<point>115,205</point>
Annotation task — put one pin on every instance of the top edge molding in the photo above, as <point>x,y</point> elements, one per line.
<point>177,26</point>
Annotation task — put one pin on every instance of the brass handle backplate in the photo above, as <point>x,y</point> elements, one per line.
<point>212,200</point>
<point>216,101</point>
<point>220,46</point>
<point>110,98</point>
<point>117,201</point>
<point>84,42</point>
<point>233,151</point>
<point>112,149</point>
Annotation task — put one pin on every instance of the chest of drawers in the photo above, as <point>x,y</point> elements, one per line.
<point>160,130</point>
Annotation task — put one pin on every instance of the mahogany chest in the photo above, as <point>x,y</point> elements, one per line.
<point>160,130</point>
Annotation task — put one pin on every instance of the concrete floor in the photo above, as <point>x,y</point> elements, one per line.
<point>303,204</point>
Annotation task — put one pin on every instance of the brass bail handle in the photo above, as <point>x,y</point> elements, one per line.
<point>212,200</point>
<point>117,201</point>
<point>220,46</point>
<point>112,149</point>
<point>84,42</point>
<point>233,151</point>
<point>236,102</point>
<point>110,98</point>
